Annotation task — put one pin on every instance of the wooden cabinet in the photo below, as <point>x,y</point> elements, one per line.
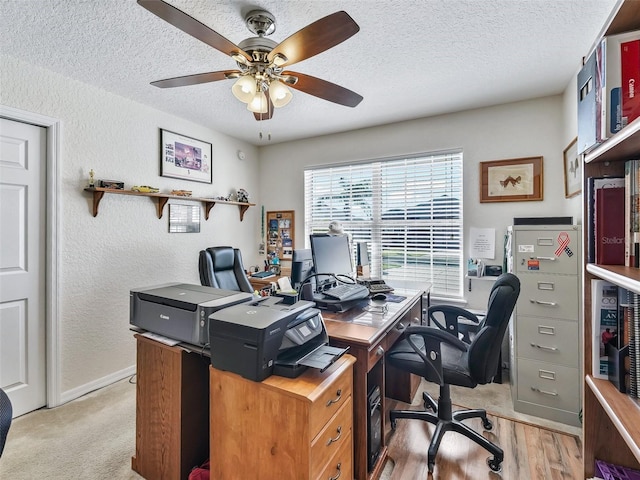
<point>298,428</point>
<point>611,419</point>
<point>172,411</point>
<point>280,239</point>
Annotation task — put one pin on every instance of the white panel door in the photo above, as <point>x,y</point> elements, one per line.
<point>22,264</point>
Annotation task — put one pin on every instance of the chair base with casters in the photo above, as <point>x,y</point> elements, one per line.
<point>447,420</point>
<point>445,355</point>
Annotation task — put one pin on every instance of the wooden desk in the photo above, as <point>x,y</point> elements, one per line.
<point>259,283</point>
<point>369,336</point>
<point>172,391</point>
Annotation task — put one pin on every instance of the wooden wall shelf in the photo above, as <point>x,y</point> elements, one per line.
<point>161,200</point>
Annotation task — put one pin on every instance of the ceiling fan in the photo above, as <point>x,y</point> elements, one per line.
<point>261,81</point>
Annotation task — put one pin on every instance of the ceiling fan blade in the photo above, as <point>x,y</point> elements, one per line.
<point>315,38</point>
<point>194,79</point>
<point>193,27</point>
<point>269,114</point>
<point>325,90</point>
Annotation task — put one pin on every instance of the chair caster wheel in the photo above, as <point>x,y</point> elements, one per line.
<point>494,465</point>
<point>487,424</point>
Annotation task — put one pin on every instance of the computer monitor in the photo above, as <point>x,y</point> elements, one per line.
<point>331,255</point>
<point>301,266</point>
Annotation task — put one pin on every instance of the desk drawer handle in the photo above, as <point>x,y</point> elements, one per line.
<point>336,400</point>
<point>331,440</point>
<point>553,349</point>
<point>380,351</point>
<point>339,466</point>
<point>545,392</point>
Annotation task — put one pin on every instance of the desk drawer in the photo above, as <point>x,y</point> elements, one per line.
<point>331,438</point>
<point>341,465</point>
<point>546,384</point>
<point>548,340</point>
<point>552,296</point>
<point>330,400</point>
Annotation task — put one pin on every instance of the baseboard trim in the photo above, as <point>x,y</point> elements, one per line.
<point>78,392</point>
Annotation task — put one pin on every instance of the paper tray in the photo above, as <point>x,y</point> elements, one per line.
<point>320,358</point>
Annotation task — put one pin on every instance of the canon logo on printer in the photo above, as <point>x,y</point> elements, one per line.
<point>273,332</point>
<point>164,317</point>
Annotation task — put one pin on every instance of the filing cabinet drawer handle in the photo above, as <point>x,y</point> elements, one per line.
<point>339,466</point>
<point>331,440</point>
<point>335,400</point>
<point>543,347</point>
<point>535,389</point>
<point>540,302</point>
<point>549,259</point>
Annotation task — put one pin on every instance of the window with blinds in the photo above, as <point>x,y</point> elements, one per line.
<point>408,210</point>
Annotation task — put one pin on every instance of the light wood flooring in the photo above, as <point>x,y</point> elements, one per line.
<point>531,452</point>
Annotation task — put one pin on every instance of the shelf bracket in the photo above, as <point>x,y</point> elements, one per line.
<point>243,208</point>
<point>161,202</point>
<point>97,196</point>
<point>207,208</point>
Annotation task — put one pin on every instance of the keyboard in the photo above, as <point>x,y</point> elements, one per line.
<point>347,291</point>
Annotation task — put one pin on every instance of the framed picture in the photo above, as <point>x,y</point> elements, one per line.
<point>515,180</point>
<point>572,170</point>
<point>184,157</point>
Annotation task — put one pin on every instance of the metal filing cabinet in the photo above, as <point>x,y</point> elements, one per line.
<point>545,346</point>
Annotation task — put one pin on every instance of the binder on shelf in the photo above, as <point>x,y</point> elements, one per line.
<point>604,315</point>
<point>610,225</point>
<point>589,93</point>
<point>594,184</point>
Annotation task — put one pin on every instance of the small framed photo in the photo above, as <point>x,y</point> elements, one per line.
<point>514,180</point>
<point>572,170</point>
<point>185,157</point>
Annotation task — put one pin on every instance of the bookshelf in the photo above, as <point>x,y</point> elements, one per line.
<point>611,420</point>
<point>280,239</point>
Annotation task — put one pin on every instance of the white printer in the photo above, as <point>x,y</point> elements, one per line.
<point>180,310</point>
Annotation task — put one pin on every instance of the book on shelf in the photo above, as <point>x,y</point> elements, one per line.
<point>593,184</point>
<point>632,213</point>
<point>604,313</point>
<point>630,73</point>
<point>611,111</point>
<point>634,345</point>
<point>610,224</point>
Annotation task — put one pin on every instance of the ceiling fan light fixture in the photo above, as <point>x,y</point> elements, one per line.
<point>244,89</point>
<point>280,95</point>
<point>259,103</point>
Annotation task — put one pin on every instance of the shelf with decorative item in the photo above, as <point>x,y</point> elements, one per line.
<point>161,200</point>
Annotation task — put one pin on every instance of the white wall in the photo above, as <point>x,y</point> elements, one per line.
<point>126,245</point>
<point>523,129</point>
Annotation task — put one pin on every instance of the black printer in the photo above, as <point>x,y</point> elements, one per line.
<point>265,337</point>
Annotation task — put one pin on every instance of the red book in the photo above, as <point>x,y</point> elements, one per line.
<point>630,76</point>
<point>609,229</point>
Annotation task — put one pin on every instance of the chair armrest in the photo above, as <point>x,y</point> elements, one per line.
<point>451,315</point>
<point>433,338</point>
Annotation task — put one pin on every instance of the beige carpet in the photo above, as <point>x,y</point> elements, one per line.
<point>94,436</point>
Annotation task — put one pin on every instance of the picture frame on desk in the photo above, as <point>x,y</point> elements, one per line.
<point>513,180</point>
<point>572,169</point>
<point>185,158</point>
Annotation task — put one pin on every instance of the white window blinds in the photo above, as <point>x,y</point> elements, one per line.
<point>409,211</point>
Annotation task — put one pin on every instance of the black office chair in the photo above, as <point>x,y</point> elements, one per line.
<point>221,267</point>
<point>6,413</point>
<point>441,357</point>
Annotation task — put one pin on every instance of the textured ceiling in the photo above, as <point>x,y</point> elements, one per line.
<point>410,59</point>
